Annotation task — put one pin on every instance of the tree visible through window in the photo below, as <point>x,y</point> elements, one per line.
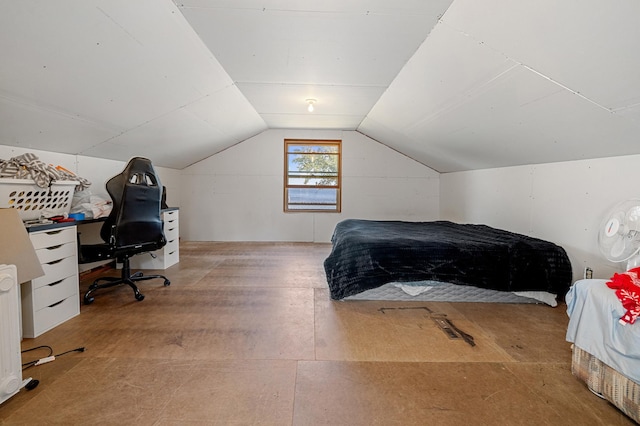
<point>312,176</point>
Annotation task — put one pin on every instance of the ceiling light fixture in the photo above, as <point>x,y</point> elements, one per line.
<point>310,102</point>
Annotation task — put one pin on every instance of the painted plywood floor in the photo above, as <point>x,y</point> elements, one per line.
<point>247,335</point>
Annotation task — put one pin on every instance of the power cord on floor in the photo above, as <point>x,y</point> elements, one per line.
<point>50,357</point>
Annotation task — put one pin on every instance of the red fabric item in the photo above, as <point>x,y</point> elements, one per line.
<point>627,287</point>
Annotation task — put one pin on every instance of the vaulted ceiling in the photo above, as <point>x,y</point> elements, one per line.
<point>454,84</point>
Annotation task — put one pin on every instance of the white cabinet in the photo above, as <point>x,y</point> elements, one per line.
<point>52,299</point>
<point>169,254</point>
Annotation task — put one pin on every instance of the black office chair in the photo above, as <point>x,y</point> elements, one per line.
<point>133,226</point>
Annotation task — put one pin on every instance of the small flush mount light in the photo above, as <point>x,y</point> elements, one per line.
<point>310,103</point>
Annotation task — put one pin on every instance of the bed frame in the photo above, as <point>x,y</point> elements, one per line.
<point>605,351</point>
<point>607,383</point>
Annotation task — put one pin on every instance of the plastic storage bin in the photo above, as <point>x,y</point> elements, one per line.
<point>34,202</point>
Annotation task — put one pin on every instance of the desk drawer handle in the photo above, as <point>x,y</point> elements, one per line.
<point>53,232</point>
<point>171,253</point>
<point>56,304</point>
<point>56,283</point>
<point>53,262</point>
<point>54,247</point>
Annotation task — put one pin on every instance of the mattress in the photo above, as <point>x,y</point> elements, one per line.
<point>436,291</point>
<point>367,254</point>
<point>594,326</point>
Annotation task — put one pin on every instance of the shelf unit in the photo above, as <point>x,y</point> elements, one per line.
<point>169,254</point>
<point>52,299</point>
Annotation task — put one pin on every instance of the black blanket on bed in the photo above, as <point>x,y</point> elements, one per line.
<point>367,254</point>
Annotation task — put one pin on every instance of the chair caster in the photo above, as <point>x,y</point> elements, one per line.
<point>167,282</point>
<point>139,297</point>
<point>88,300</point>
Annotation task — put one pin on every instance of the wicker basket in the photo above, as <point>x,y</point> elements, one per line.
<point>33,202</point>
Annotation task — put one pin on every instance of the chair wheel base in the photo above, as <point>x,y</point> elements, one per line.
<point>126,278</point>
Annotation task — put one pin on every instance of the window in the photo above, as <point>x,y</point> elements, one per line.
<point>312,178</point>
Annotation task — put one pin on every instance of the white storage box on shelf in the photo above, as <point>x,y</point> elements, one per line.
<point>34,202</point>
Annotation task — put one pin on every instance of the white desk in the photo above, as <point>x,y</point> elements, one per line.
<point>54,298</point>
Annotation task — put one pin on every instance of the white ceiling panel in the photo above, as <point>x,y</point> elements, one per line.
<point>224,112</point>
<point>515,120</point>
<point>343,54</point>
<point>28,126</point>
<point>422,89</point>
<point>307,46</point>
<point>163,139</point>
<point>312,121</point>
<point>121,66</point>
<point>454,84</point>
<point>401,142</point>
<point>591,46</point>
<point>291,98</point>
<point>327,6</point>
<point>631,113</point>
<point>479,109</point>
<point>158,140</point>
<point>118,65</point>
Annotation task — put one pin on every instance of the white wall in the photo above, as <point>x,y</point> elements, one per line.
<point>97,170</point>
<point>560,202</point>
<point>237,194</point>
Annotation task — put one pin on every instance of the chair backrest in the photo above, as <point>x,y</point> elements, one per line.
<point>134,224</point>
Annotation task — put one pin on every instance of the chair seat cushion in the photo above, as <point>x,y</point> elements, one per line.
<point>95,253</point>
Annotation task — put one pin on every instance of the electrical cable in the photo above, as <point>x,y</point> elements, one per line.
<point>50,357</point>
<point>80,349</point>
<point>32,363</point>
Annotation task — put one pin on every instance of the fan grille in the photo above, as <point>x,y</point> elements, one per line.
<point>619,233</point>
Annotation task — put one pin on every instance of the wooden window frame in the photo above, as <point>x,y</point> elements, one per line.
<point>287,176</point>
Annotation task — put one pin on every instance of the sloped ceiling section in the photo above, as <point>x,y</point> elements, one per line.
<point>502,83</point>
<point>342,54</point>
<point>454,84</point>
<point>114,79</point>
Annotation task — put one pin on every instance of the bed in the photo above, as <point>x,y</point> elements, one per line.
<point>606,352</point>
<point>367,254</point>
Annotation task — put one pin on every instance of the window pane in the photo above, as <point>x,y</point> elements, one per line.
<point>312,175</point>
<point>311,180</point>
<point>317,163</point>
<point>312,207</point>
<point>313,148</point>
<point>312,198</point>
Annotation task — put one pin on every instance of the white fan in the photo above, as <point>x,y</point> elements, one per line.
<point>619,234</point>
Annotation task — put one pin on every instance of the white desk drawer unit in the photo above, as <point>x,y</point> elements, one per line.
<point>168,255</point>
<point>52,299</point>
